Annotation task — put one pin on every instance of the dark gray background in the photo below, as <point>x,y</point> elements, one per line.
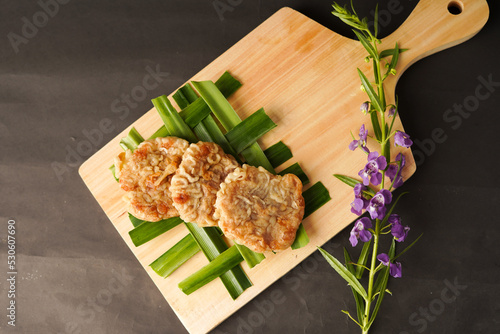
<point>64,80</point>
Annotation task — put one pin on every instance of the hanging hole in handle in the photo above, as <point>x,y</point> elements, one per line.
<point>455,7</point>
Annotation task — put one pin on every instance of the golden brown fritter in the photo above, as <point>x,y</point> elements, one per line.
<point>195,184</point>
<point>260,210</point>
<point>145,175</point>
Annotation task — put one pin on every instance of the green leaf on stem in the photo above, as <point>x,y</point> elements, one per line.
<point>376,74</point>
<point>360,305</point>
<point>376,125</point>
<point>392,249</point>
<point>390,52</point>
<point>380,277</point>
<point>348,262</point>
<point>350,316</point>
<point>394,60</point>
<point>383,285</point>
<point>367,45</point>
<point>407,248</point>
<point>380,286</point>
<point>342,271</point>
<point>392,208</point>
<point>387,148</point>
<point>374,98</point>
<point>352,183</point>
<point>379,280</point>
<point>363,258</point>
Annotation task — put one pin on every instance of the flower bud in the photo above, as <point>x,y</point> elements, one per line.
<point>364,107</point>
<point>392,111</point>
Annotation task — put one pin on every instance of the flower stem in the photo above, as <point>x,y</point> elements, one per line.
<point>381,93</point>
<point>380,85</point>
<point>379,81</point>
<point>366,318</point>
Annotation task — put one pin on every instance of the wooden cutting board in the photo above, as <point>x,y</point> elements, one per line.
<point>304,75</point>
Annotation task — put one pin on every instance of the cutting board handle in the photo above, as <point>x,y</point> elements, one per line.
<point>431,27</point>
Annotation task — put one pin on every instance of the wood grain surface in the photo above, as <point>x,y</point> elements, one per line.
<point>304,76</point>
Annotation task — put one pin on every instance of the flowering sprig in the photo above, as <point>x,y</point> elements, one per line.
<point>372,194</point>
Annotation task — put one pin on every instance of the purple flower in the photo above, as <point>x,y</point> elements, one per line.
<point>394,219</point>
<point>394,171</point>
<point>377,204</point>
<point>384,258</point>
<point>364,107</point>
<point>360,203</point>
<point>371,172</point>
<point>402,139</point>
<point>361,143</point>
<point>395,269</point>
<point>360,231</point>
<point>399,231</point>
<point>392,111</point>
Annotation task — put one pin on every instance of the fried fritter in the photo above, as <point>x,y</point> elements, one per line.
<point>195,184</point>
<point>145,175</point>
<point>260,210</point>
